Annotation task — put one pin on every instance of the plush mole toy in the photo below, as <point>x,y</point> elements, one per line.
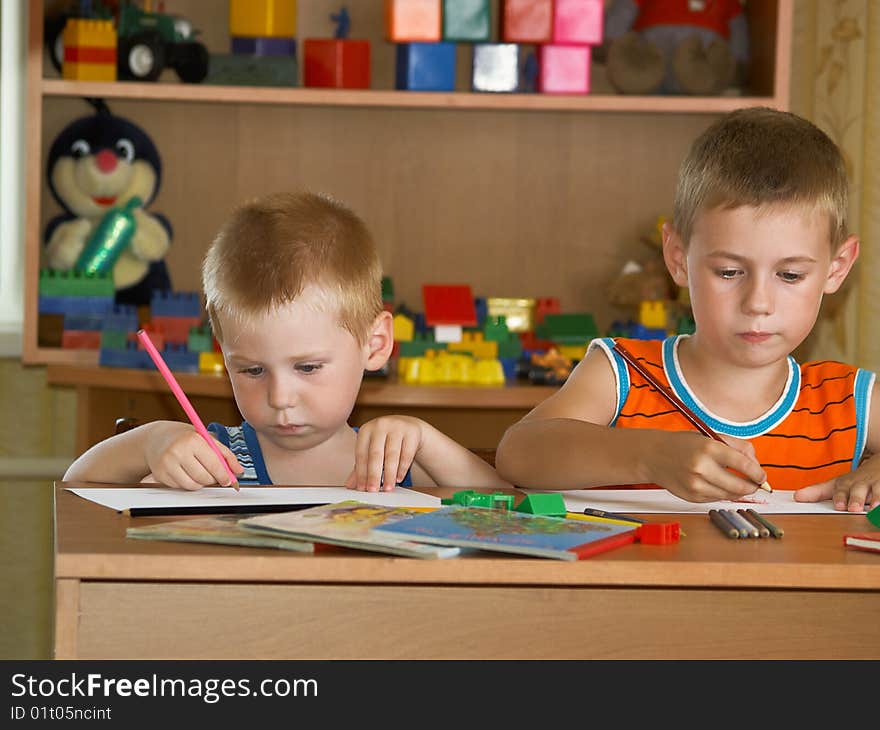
<point>675,46</point>
<point>96,165</point>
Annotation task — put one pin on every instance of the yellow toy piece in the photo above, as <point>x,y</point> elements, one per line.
<point>572,352</point>
<point>262,18</point>
<point>654,314</point>
<point>473,343</point>
<point>89,50</point>
<point>211,362</point>
<point>449,369</point>
<point>404,328</point>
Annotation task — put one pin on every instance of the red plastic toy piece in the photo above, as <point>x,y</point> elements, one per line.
<point>336,63</point>
<point>658,533</point>
<point>449,304</point>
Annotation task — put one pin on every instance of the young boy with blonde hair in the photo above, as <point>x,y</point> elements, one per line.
<point>759,235</point>
<point>292,286</point>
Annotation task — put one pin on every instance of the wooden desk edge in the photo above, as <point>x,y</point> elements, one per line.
<point>105,554</point>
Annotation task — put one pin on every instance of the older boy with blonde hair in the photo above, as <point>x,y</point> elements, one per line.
<point>759,235</point>
<point>293,291</point>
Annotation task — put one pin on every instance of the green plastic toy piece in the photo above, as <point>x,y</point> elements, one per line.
<point>114,340</point>
<point>200,339</point>
<point>550,504</point>
<point>387,289</point>
<point>576,328</point>
<point>495,329</point>
<point>470,498</point>
<point>75,284</point>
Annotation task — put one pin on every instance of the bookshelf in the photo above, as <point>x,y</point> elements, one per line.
<point>517,195</point>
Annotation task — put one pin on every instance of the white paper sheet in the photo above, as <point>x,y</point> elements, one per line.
<point>122,498</point>
<point>638,501</point>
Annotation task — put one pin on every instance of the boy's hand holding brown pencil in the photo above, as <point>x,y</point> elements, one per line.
<point>673,399</point>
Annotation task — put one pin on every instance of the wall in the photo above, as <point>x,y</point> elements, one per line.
<point>38,422</point>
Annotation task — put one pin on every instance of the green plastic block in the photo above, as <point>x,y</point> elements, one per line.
<point>568,329</point>
<point>114,340</point>
<point>387,289</point>
<point>510,349</point>
<point>466,20</point>
<point>874,516</point>
<point>236,70</point>
<point>686,325</point>
<point>495,330</point>
<point>200,340</point>
<point>550,504</point>
<point>470,498</point>
<point>418,347</point>
<point>75,284</point>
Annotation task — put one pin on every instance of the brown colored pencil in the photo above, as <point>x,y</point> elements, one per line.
<point>695,420</point>
<point>760,526</point>
<point>774,530</point>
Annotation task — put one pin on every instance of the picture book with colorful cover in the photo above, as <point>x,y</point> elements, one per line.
<point>349,523</point>
<point>221,529</point>
<point>512,532</point>
<point>863,541</point>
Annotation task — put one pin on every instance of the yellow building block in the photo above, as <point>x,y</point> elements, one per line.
<point>574,352</point>
<point>211,362</point>
<point>654,314</point>
<point>489,372</point>
<point>519,314</point>
<point>89,50</point>
<point>449,369</point>
<point>404,328</point>
<point>262,18</point>
<point>480,348</point>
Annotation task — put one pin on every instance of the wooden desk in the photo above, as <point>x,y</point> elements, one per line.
<point>801,597</point>
<point>476,416</point>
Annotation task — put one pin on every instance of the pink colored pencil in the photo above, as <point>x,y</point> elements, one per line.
<point>184,401</point>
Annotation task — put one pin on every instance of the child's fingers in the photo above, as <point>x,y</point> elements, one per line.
<point>851,494</point>
<point>233,462</point>
<point>391,458</point>
<point>177,476</point>
<point>408,452</point>
<point>351,480</point>
<point>743,459</point>
<point>361,459</point>
<point>375,460</point>
<point>815,492</point>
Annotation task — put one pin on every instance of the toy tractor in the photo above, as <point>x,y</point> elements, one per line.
<point>148,42</point>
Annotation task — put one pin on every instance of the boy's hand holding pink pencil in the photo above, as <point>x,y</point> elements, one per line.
<point>187,406</point>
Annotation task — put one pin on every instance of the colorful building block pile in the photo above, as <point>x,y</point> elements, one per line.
<point>262,40</point>
<point>77,311</point>
<point>467,340</point>
<point>426,33</point>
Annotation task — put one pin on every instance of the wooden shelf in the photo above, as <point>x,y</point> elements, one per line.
<point>460,100</point>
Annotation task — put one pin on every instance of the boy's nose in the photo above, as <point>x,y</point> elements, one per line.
<point>281,394</point>
<point>759,297</point>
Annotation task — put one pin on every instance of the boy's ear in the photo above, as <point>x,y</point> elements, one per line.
<point>380,341</point>
<point>842,264</point>
<point>675,255</point>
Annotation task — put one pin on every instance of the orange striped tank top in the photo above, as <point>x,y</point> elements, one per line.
<point>815,431</point>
